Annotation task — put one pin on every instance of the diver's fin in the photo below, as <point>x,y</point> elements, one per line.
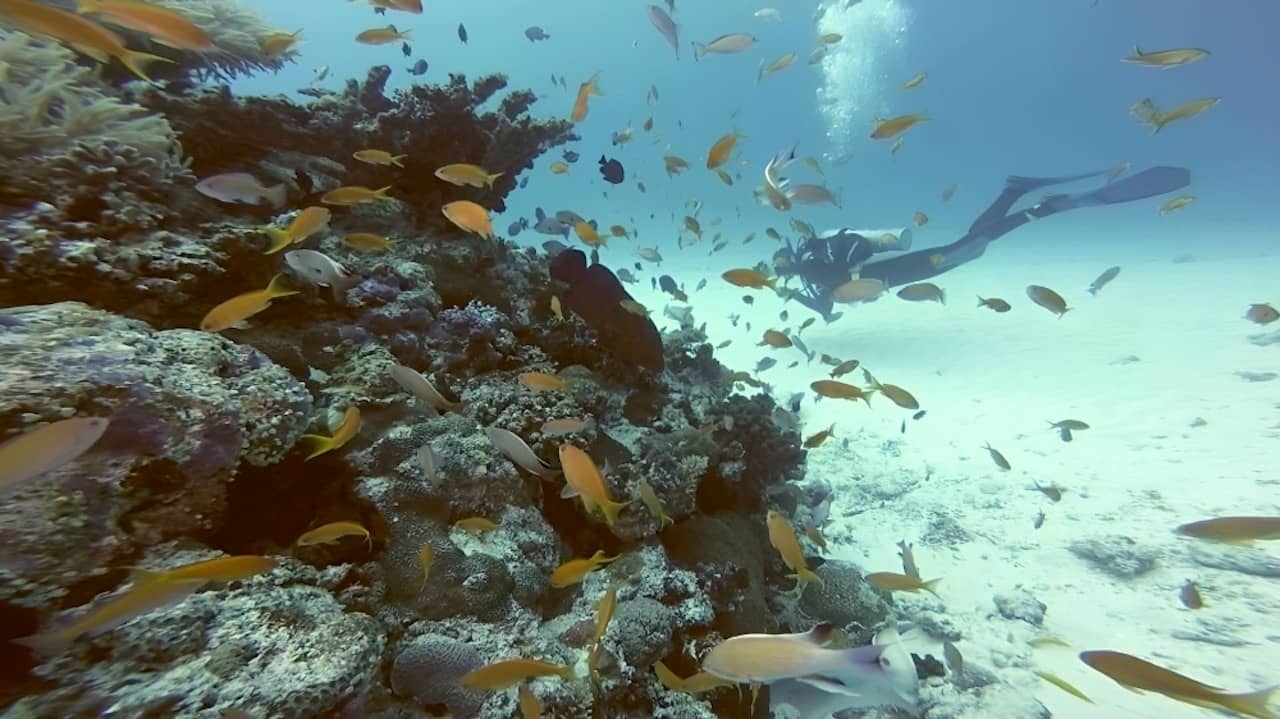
<point>1148,183</point>
<point>1026,184</point>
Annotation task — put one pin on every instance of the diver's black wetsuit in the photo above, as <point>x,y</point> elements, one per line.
<point>824,263</point>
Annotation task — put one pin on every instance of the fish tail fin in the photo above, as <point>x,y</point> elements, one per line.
<point>276,288</point>
<point>804,575</point>
<point>1137,51</point>
<point>981,301</point>
<point>1254,704</point>
<point>698,51</point>
<point>136,61</point>
<point>611,510</point>
<point>397,160</point>
<point>340,285</point>
<point>47,644</point>
<point>276,195</point>
<point>280,239</point>
<point>566,671</point>
<point>488,179</point>
<point>381,193</point>
<point>931,586</point>
<point>772,282</point>
<point>318,443</point>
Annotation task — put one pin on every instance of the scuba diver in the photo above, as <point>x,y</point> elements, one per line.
<point>824,263</point>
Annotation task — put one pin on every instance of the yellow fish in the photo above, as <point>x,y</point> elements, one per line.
<point>367,241</point>
<point>80,33</point>
<point>914,82</point>
<point>476,525</point>
<point>277,44</point>
<point>559,168</point>
<point>356,195</point>
<point>347,429</point>
<point>222,569</point>
<point>425,555</point>
<point>382,35</point>
<point>722,149</point>
<point>1134,673</point>
<point>463,174</point>
<point>584,479</point>
<point>307,223</point>
<point>748,278</point>
<point>542,382</point>
<point>501,675</point>
<point>379,157</point>
<point>650,499</point>
<point>589,235</point>
<point>163,25</point>
<point>470,217</point>
<point>886,129</point>
<point>783,538</point>
<point>530,708</point>
<point>1165,59</point>
<point>236,310</point>
<point>585,91</point>
<point>894,582</point>
<point>332,532</point>
<point>575,570</point>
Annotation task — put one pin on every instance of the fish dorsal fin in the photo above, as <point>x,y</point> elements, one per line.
<point>821,634</point>
<point>888,635</point>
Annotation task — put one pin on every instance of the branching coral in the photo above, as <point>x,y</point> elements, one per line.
<point>65,139</point>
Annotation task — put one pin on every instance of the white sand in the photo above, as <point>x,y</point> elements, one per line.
<point>1141,470</point>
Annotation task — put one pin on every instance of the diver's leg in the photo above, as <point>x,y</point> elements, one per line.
<point>1015,186</point>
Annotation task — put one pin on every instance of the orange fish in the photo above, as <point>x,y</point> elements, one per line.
<point>222,569</point>
<point>469,217</point>
<point>81,34</point>
<point>278,43</point>
<point>307,223</point>
<point>783,538</point>
<point>589,235</point>
<point>542,382</point>
<point>840,390</point>
<point>356,195</point>
<point>382,35</point>
<point>163,25</point>
<point>585,91</point>
<point>886,129</point>
<point>722,149</point>
<point>332,532</point>
<point>379,157</point>
<point>583,478</point>
<point>236,310</point>
<point>30,455</point>
<point>748,278</point>
<point>575,570</point>
<point>501,675</point>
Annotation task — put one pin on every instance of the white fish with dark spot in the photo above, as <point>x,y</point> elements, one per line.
<point>321,269</point>
<point>241,188</point>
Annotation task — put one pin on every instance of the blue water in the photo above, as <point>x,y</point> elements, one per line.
<point>1013,87</point>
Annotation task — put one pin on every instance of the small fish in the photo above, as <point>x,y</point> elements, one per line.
<point>775,339</point>
<point>581,100</point>
<point>776,66</point>
<point>816,440</point>
<point>347,429</point>
<point>1233,530</point>
<point>949,191</point>
<point>476,525</point>
<point>1134,673</point>
<point>356,195</point>
<point>570,156</point>
<point>915,81</point>
<point>650,499</point>
<point>844,368</point>
<point>830,38</point>
<point>725,45</point>
<point>530,708</point>
<point>923,292</point>
<point>996,457</point>
<point>366,241</point>
<point>765,363</point>
<point>1053,492</point>
<point>234,312</point>
<point>993,303</point>
<point>836,389</point>
<point>806,324</point>
<point>920,219</point>
<point>412,381</point>
<point>379,157</point>
<point>748,278</point>
<point>321,269</point>
<point>1263,314</point>
<point>462,33</point>
<point>1166,59</point>
<point>505,674</point>
<point>894,582</point>
<point>808,194</point>
<point>955,661</point>
<point>305,224</point>
<point>430,462</point>
<point>419,68</point>
<point>470,217</point>
<point>222,569</point>
<point>667,27</point>
<point>1038,522</point>
<point>575,570</point>
<point>278,44</point>
<point>333,532</point>
<point>1040,642</point>
<point>1176,204</point>
<point>163,25</point>
<point>1190,595</point>
<point>866,289</point>
<point>1062,684</point>
<point>536,34</point>
<point>518,451</point>
<point>906,553</point>
<point>88,37</point>
<point>425,556</point>
<point>1071,424</point>
<point>46,448</point>
<point>463,174</point>
<point>241,188</point>
<point>674,165</point>
<point>1103,280</point>
<point>1146,112</point>
<point>724,344</point>
<point>895,147</point>
<point>885,129</point>
<point>783,538</point>
<point>382,35</point>
<point>406,49</point>
<point>568,425</point>
<point>1048,299</point>
<point>612,171</point>
<point>583,478</point>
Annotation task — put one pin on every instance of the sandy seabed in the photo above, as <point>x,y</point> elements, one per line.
<point>1185,424</point>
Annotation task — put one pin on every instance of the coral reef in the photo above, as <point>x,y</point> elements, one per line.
<point>68,141</point>
<point>187,409</point>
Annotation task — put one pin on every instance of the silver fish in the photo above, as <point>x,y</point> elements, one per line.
<point>665,25</point>
<point>516,450</point>
<point>321,269</point>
